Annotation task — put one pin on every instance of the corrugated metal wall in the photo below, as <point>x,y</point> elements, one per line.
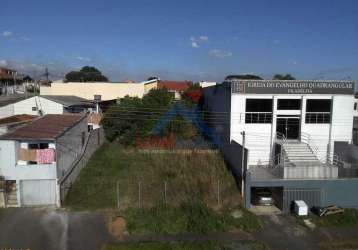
<point>312,197</point>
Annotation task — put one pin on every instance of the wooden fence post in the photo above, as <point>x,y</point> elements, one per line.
<point>117,194</point>
<point>218,192</point>
<point>139,194</point>
<point>165,193</point>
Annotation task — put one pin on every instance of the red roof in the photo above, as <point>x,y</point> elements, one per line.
<point>174,85</point>
<point>48,127</point>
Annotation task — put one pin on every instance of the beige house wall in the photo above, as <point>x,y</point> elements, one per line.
<point>149,86</point>
<point>87,90</point>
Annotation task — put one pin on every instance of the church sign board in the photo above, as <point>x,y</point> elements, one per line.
<point>292,87</point>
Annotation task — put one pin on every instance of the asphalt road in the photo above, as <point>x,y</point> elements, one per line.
<point>51,229</point>
<point>39,229</point>
<point>283,232</point>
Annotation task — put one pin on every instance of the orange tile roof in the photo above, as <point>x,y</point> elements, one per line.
<point>174,85</point>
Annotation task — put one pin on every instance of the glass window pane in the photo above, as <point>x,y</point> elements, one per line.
<point>258,105</point>
<point>289,104</point>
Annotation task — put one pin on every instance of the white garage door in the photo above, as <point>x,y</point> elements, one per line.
<point>38,192</point>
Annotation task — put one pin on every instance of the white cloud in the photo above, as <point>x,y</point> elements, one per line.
<point>204,38</point>
<point>197,41</point>
<point>3,63</point>
<point>7,33</point>
<point>81,58</point>
<point>25,38</point>
<point>194,44</point>
<point>218,53</point>
<point>276,42</point>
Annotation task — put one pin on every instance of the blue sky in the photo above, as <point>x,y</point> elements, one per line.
<point>196,40</point>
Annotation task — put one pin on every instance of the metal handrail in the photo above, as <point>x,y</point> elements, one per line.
<point>280,159</point>
<point>306,138</point>
<point>335,161</point>
<point>281,138</point>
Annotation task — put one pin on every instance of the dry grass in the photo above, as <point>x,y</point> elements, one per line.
<point>193,175</point>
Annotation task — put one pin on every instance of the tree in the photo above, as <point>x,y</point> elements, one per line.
<point>134,117</point>
<point>86,74</point>
<point>243,77</point>
<point>192,95</point>
<point>283,77</point>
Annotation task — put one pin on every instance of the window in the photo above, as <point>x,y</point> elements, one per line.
<point>355,106</point>
<point>258,111</point>
<point>89,128</point>
<point>289,104</point>
<point>33,146</point>
<point>34,108</point>
<point>318,111</point>
<point>38,145</point>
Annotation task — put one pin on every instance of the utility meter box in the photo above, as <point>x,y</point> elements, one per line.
<point>301,208</point>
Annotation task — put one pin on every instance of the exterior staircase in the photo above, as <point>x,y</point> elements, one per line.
<point>298,153</point>
<point>11,195</point>
<point>300,162</point>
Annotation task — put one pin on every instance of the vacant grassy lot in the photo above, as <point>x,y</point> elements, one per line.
<point>130,178</point>
<point>165,192</point>
<point>190,217</point>
<point>253,245</point>
<point>164,246</point>
<point>348,218</point>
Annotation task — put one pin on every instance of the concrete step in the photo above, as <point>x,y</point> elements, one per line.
<point>11,205</point>
<point>297,145</point>
<point>301,156</point>
<point>12,198</point>
<point>299,152</point>
<point>304,161</point>
<point>297,149</point>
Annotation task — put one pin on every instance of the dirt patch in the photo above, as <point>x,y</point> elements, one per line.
<point>118,228</point>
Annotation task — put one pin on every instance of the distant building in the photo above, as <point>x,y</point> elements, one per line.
<point>36,157</point>
<point>42,105</point>
<point>87,90</point>
<point>10,81</point>
<point>175,87</point>
<point>204,84</point>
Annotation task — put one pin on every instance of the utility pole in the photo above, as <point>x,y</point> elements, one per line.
<point>243,165</point>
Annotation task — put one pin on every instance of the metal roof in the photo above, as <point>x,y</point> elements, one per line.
<point>10,99</point>
<point>17,118</point>
<point>48,128</point>
<point>66,100</point>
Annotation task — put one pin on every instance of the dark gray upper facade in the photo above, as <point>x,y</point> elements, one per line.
<point>292,87</point>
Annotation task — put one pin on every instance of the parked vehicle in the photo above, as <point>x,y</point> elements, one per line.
<point>262,197</point>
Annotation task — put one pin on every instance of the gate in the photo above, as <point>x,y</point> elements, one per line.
<point>312,197</point>
<point>38,192</point>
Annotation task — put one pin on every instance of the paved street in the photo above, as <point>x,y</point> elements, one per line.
<point>52,230</point>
